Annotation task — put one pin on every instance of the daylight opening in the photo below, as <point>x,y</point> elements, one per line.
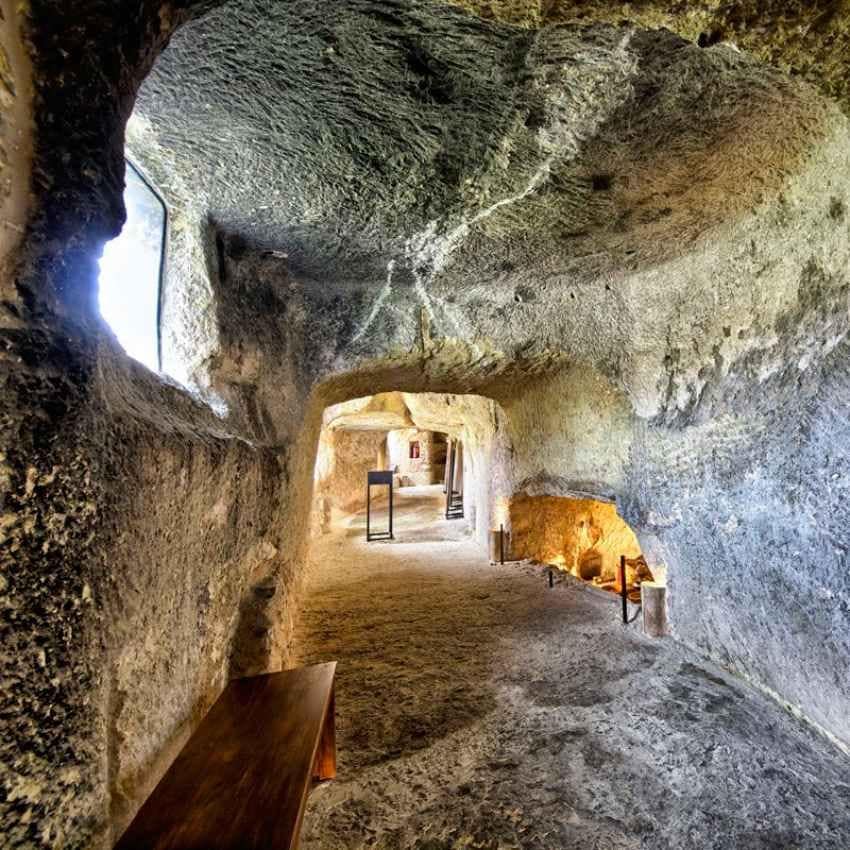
<point>131,272</point>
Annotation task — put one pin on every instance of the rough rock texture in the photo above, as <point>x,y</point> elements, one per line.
<point>486,710</point>
<point>121,604</point>
<point>810,39</point>
<point>633,250</point>
<point>132,519</point>
<point>409,145</point>
<point>751,506</point>
<point>571,433</point>
<point>382,412</point>
<point>343,460</point>
<point>15,136</point>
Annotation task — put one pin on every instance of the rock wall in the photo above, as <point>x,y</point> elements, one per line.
<point>137,533</point>
<point>748,511</point>
<point>428,467</point>
<point>571,433</point>
<point>735,484</point>
<point>187,544</point>
<point>136,525</point>
<point>686,357</point>
<point>810,39</point>
<point>344,458</point>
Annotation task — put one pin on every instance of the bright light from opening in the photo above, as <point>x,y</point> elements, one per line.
<point>130,273</point>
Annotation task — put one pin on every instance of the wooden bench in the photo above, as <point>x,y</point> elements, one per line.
<point>243,778</point>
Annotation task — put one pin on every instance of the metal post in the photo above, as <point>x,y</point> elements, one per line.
<point>368,511</point>
<point>551,579</point>
<point>502,544</point>
<point>623,593</point>
<point>391,510</point>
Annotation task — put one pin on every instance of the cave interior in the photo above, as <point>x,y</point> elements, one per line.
<point>576,273</point>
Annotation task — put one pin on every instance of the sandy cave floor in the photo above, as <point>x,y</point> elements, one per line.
<point>477,708</point>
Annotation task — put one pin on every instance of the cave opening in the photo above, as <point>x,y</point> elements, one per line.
<point>416,438</point>
<point>584,537</point>
<point>449,458</point>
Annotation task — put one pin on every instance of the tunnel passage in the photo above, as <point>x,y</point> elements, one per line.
<point>423,440</point>
<point>626,227</point>
<point>479,707</point>
<point>434,443</point>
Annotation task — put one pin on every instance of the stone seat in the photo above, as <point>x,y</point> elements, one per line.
<point>243,778</point>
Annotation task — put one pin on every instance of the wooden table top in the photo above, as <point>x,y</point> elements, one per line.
<point>241,781</point>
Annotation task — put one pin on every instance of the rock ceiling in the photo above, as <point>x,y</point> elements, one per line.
<point>382,412</point>
<point>418,142</point>
<point>391,411</point>
<point>809,38</point>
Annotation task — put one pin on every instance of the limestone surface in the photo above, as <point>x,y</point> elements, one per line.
<point>487,710</point>
<point>609,245</point>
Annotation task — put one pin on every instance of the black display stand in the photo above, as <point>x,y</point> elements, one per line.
<point>378,478</point>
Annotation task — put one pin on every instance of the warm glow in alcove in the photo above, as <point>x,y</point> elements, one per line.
<point>130,273</point>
